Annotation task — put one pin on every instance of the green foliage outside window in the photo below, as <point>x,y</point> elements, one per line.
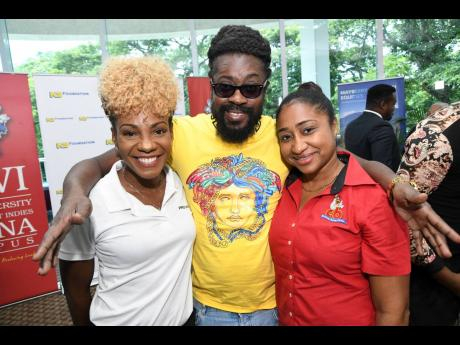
<point>421,50</point>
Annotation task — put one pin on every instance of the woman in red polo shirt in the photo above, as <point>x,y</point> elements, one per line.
<point>341,254</point>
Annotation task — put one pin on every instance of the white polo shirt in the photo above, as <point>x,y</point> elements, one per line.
<point>144,254</point>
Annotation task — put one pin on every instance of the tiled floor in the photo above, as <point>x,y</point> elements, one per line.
<point>49,310</point>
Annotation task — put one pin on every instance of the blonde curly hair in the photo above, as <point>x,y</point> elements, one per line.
<point>131,85</point>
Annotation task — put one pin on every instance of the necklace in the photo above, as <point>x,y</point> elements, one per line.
<point>323,186</point>
<point>134,189</point>
<point>148,198</point>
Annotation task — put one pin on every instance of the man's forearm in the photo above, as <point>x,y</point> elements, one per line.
<point>378,171</point>
<point>85,174</point>
<point>81,178</point>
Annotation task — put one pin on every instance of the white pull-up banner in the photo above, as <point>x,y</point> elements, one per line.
<point>73,127</point>
<point>72,123</point>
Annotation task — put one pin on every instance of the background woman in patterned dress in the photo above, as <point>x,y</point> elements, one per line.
<point>431,152</point>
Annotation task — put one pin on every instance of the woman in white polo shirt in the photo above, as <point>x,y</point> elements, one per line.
<point>141,229</point>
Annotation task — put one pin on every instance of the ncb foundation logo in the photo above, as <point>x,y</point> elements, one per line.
<point>67,144</point>
<point>86,117</point>
<point>55,94</point>
<point>63,145</point>
<point>61,94</point>
<point>58,118</point>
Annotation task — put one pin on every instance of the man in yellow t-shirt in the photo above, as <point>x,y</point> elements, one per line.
<point>232,190</point>
<point>232,172</point>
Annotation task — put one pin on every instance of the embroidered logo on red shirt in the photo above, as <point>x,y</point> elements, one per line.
<point>335,213</point>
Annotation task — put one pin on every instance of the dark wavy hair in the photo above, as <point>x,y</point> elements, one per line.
<point>239,39</point>
<point>312,94</point>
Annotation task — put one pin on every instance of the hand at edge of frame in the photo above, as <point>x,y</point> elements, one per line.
<point>73,211</point>
<point>412,206</point>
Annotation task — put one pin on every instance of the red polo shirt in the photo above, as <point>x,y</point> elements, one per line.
<point>323,252</point>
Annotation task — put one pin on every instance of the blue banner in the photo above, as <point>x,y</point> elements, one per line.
<point>352,102</point>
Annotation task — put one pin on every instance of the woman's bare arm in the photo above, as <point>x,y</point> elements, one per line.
<point>390,296</point>
<point>76,278</point>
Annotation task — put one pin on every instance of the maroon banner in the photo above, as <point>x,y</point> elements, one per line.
<point>199,95</point>
<point>23,217</point>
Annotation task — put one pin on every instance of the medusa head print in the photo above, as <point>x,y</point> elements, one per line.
<point>233,193</point>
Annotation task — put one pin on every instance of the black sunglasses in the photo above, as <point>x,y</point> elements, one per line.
<point>247,90</point>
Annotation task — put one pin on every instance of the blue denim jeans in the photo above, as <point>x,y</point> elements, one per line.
<point>209,316</point>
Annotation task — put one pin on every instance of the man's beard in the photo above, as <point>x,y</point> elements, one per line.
<point>233,135</point>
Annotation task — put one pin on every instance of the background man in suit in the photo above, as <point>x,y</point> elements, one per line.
<point>371,136</point>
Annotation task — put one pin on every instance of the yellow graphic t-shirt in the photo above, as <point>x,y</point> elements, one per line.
<point>232,190</point>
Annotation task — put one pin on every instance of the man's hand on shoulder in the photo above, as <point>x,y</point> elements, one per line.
<point>73,211</point>
<point>412,206</point>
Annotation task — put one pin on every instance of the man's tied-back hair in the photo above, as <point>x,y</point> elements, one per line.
<point>312,94</point>
<point>130,85</point>
<point>239,39</point>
